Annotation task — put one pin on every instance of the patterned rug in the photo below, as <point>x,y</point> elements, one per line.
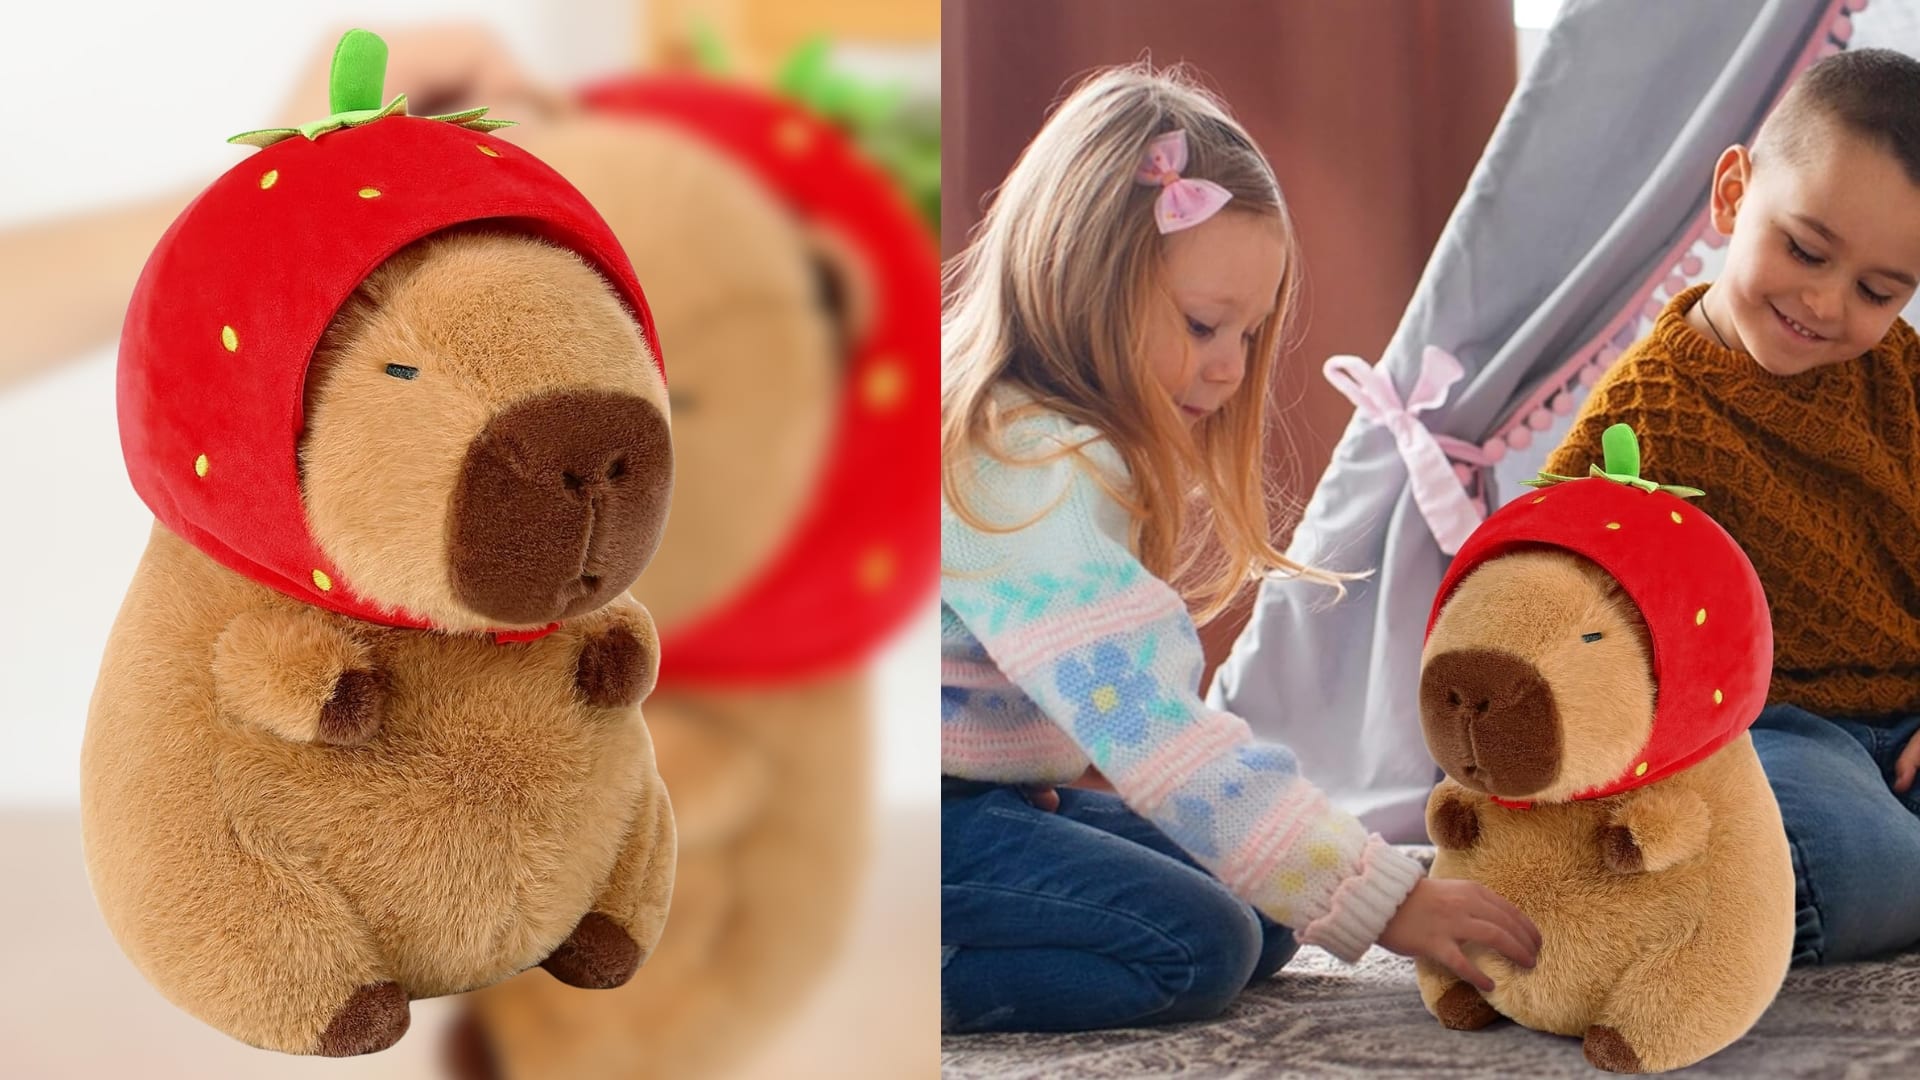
<point>1320,1018</point>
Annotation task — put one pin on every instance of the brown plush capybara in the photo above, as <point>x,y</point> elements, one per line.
<point>297,821</point>
<point>1665,909</point>
<point>770,781</point>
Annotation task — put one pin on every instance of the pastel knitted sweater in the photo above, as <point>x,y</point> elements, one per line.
<point>1813,474</point>
<point>1059,648</point>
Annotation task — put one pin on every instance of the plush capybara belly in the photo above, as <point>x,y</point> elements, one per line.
<point>1594,924</point>
<point>465,838</point>
<point>1721,921</point>
<point>474,831</point>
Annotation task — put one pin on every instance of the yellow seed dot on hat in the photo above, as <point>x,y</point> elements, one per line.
<point>200,465</point>
<point>230,339</point>
<point>1539,500</point>
<point>322,581</point>
<point>1675,515</point>
<point>1292,881</point>
<point>487,150</point>
<point>1700,617</point>
<point>793,136</point>
<point>884,384</point>
<point>876,569</point>
<point>1323,856</point>
<point>1640,769</point>
<point>1717,697</point>
<point>1613,525</point>
<point>369,192</point>
<point>269,178</point>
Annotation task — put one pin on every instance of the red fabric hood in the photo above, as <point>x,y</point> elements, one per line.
<point>1675,563</point>
<point>226,315</point>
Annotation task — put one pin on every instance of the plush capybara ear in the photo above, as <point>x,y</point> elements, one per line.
<point>1537,681</point>
<point>486,441</point>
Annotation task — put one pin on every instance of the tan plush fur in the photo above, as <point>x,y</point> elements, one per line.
<point>1666,912</point>
<point>486,321</point>
<point>294,890</point>
<point>770,784</point>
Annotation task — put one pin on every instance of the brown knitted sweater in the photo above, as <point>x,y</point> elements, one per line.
<point>1816,475</point>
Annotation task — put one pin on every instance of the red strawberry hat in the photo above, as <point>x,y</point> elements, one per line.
<point>866,549</point>
<point>1704,608</point>
<point>214,353</point>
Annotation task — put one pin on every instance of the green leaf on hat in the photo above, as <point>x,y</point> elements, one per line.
<point>1621,449</point>
<point>353,93</point>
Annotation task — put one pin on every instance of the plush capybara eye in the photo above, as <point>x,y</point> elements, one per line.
<point>402,371</point>
<point>1595,636</point>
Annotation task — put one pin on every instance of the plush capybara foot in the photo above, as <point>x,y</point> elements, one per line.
<point>612,669</point>
<point>373,1019</point>
<point>353,711</point>
<point>469,1052</point>
<point>1463,1009</point>
<point>598,955</point>
<point>1608,1049</point>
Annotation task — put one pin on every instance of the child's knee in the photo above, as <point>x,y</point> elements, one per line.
<point>1217,957</point>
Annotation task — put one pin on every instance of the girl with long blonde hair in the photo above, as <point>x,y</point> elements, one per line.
<point>1107,340</point>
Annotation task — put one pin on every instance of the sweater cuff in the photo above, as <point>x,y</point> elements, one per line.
<point>1364,903</point>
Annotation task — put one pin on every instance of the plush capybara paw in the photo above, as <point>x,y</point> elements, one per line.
<point>598,955</point>
<point>374,1018</point>
<point>1620,850</point>
<point>353,711</point>
<point>612,671</point>
<point>1455,825</point>
<point>1608,1049</point>
<point>1462,1008</point>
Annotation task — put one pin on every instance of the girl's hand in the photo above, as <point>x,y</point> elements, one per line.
<point>1441,915</point>
<point>1907,765</point>
<point>1042,797</point>
<point>1093,780</point>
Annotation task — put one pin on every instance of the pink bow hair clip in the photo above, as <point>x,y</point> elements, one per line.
<point>1182,203</point>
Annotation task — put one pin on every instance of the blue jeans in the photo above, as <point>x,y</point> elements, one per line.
<point>1085,918</point>
<point>1855,842</point>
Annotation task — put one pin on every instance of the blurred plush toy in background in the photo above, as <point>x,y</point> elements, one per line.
<point>799,293</point>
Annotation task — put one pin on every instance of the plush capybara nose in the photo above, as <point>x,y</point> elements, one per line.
<point>1490,721</point>
<point>559,505</point>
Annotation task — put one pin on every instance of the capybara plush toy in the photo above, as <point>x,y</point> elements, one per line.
<point>799,295</point>
<point>368,724</point>
<point>1597,652</point>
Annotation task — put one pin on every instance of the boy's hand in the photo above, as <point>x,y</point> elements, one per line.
<point>1907,765</point>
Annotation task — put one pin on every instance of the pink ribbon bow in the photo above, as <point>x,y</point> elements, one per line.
<point>1436,490</point>
<point>1182,203</point>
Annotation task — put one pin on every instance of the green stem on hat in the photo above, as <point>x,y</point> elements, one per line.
<point>1621,449</point>
<point>354,87</point>
<point>359,70</point>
